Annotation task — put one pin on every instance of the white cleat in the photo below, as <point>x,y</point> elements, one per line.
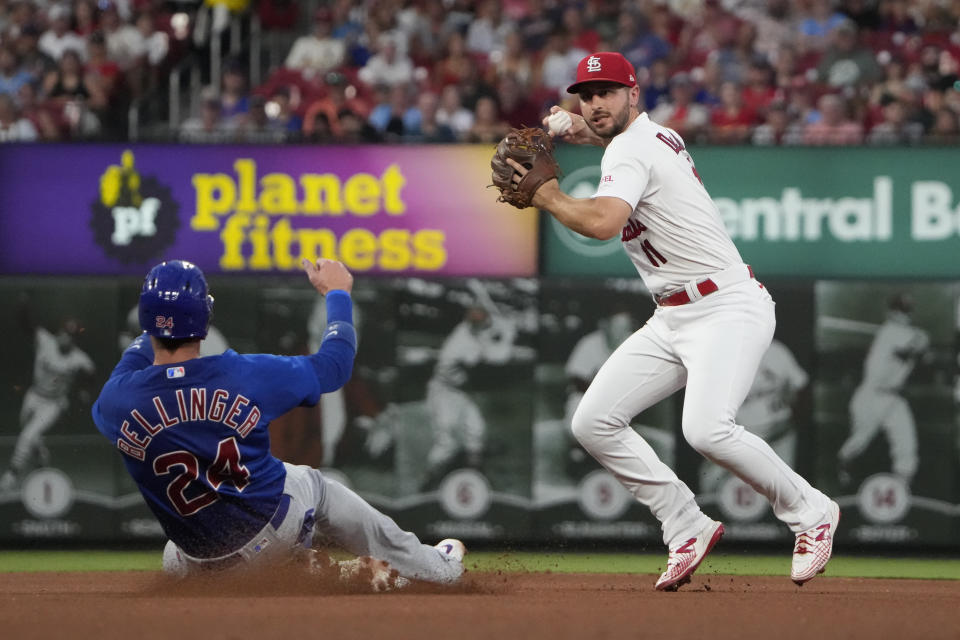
<point>451,548</point>
<point>813,548</point>
<point>684,560</point>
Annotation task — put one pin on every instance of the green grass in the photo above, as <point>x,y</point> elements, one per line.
<point>840,566</point>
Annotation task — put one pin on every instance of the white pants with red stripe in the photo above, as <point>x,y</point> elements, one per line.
<point>713,347</point>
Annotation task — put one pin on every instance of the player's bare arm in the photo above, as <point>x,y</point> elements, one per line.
<point>601,217</point>
<point>327,275</point>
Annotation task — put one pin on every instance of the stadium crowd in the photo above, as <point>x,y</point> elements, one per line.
<point>766,72</point>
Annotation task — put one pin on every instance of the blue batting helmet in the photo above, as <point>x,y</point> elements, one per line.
<point>174,302</point>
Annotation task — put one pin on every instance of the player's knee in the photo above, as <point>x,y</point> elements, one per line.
<point>590,427</point>
<point>707,435</point>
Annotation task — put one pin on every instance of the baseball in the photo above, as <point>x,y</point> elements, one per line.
<point>559,123</point>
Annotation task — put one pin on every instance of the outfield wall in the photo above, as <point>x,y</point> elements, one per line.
<point>835,235</point>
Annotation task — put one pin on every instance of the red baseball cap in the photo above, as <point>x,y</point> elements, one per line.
<point>608,66</point>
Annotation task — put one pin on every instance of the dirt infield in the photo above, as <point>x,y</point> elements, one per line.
<point>144,605</point>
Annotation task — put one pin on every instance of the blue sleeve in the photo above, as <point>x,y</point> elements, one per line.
<point>333,361</point>
<point>139,355</point>
<point>290,381</point>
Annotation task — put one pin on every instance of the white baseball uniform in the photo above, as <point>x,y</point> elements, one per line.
<point>877,403</point>
<point>46,399</point>
<point>712,345</point>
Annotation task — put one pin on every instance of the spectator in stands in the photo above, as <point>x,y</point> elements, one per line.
<point>58,38</point>
<point>43,116</point>
<point>656,83</point>
<point>731,121</point>
<point>254,126</point>
<point>896,16</point>
<point>456,65</point>
<point>845,63</point>
<point>814,30</point>
<point>389,114</point>
<point>680,112</point>
<point>14,127</point>
<point>318,52</point>
<point>537,25</point>
<point>893,80</point>
<point>786,72</point>
<point>516,106</point>
<point>86,17</point>
<point>581,36</point>
<point>388,66</point>
<point>511,60</point>
<point>124,42</point>
<point>636,42</point>
<point>895,129</point>
<point>12,75</point>
<point>834,126</point>
<point>452,113</point>
<point>945,129</point>
<point>154,44</point>
<point>105,81</point>
<point>354,129</point>
<point>31,58</point>
<point>339,96</point>
<point>560,62</point>
<point>424,126</point>
<point>208,126</point>
<point>863,13</point>
<point>487,126</point>
<point>281,114</point>
<point>758,91</point>
<point>777,129</point>
<point>487,30</point>
<point>234,95</point>
<point>774,28</point>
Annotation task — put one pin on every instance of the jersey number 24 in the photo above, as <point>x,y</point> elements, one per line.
<point>225,468</point>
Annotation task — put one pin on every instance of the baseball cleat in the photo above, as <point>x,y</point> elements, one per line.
<point>451,548</point>
<point>684,560</point>
<point>813,548</point>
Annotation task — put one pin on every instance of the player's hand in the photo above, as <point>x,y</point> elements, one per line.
<point>577,133</point>
<point>327,275</point>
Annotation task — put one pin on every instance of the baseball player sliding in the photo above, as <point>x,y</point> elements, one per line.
<point>712,324</point>
<point>192,432</point>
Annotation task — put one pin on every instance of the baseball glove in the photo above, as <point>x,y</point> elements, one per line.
<point>531,148</point>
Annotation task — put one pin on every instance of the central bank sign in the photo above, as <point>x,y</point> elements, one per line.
<point>804,212</point>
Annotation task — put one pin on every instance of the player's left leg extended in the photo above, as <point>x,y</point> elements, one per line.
<point>722,340</point>
<point>348,521</point>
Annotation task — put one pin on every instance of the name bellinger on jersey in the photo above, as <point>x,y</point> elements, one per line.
<point>162,417</point>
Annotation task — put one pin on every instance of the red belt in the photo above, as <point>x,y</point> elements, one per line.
<point>705,287</point>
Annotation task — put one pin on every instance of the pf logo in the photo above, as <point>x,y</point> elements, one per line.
<point>593,64</point>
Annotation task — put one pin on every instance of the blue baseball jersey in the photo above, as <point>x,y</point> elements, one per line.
<point>194,437</point>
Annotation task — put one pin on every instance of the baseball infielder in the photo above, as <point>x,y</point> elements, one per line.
<point>57,362</point>
<point>877,404</point>
<point>458,424</point>
<point>192,433</point>
<point>767,410</point>
<point>712,324</point>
